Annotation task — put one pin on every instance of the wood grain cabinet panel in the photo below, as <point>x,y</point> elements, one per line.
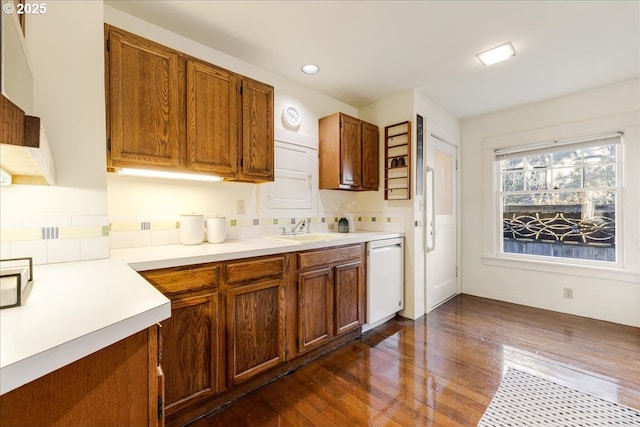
<point>255,329</point>
<point>189,278</point>
<point>254,269</point>
<point>191,351</point>
<point>347,297</point>
<point>349,153</point>
<point>193,355</point>
<point>213,109</point>
<point>370,156</point>
<point>315,311</point>
<point>145,102</point>
<point>331,294</point>
<point>166,110</point>
<point>257,132</point>
<point>115,386</point>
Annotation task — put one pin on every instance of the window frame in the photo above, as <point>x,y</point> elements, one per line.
<point>627,268</point>
<point>498,195</point>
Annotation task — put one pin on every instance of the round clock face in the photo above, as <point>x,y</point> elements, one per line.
<point>291,117</point>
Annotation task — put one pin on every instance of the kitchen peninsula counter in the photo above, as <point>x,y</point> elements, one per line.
<point>77,308</point>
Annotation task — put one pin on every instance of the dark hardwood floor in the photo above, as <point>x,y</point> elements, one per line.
<point>443,369</point>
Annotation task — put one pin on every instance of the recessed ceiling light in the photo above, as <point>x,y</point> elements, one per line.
<point>497,54</point>
<point>310,69</point>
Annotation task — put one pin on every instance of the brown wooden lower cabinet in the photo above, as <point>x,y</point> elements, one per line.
<point>237,324</point>
<point>315,308</point>
<point>191,353</point>
<point>255,329</point>
<point>255,315</point>
<point>348,300</point>
<point>193,337</point>
<point>225,337</point>
<point>330,294</point>
<point>115,386</point>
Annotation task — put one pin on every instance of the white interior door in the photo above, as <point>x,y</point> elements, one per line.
<point>441,232</point>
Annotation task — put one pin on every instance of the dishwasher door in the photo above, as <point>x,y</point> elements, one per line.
<point>385,279</point>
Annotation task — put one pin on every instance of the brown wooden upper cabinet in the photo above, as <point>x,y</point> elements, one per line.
<point>348,153</point>
<point>145,102</point>
<point>166,110</point>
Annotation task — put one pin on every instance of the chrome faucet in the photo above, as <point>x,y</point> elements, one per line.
<point>301,226</point>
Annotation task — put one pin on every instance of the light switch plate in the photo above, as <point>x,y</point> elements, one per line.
<point>240,206</point>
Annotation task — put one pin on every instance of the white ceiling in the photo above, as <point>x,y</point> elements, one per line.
<point>368,50</point>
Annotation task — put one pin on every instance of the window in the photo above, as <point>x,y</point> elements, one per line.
<point>561,199</point>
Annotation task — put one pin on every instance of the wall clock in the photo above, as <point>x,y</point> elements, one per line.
<point>291,117</point>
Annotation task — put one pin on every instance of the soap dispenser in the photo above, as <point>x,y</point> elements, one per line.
<point>343,225</point>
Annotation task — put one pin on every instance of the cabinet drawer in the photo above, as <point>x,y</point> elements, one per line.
<point>328,256</point>
<point>249,270</point>
<point>184,279</point>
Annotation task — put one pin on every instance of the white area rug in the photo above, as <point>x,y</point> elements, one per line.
<point>525,400</point>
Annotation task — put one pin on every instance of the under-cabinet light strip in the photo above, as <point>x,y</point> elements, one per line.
<point>171,175</point>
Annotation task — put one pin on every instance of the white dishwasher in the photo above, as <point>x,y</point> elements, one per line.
<point>385,280</point>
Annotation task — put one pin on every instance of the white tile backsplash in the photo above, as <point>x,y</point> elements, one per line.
<point>36,249</point>
<point>96,248</point>
<point>121,239</point>
<point>159,237</point>
<point>55,238</point>
<point>5,250</point>
<point>141,238</point>
<point>63,250</point>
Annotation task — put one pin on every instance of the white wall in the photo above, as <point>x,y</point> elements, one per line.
<point>66,51</point>
<point>395,109</point>
<point>606,295</point>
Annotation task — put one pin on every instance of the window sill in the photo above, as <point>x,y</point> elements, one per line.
<point>606,273</point>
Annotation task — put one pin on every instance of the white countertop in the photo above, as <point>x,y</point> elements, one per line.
<point>77,308</point>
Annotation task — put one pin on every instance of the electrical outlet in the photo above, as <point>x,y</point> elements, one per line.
<point>568,293</point>
<point>240,206</point>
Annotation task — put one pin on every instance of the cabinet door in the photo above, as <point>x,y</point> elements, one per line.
<point>348,297</point>
<point>111,387</point>
<point>146,102</point>
<point>213,116</point>
<point>192,356</point>
<point>350,151</point>
<point>257,131</point>
<point>315,308</point>
<point>255,327</point>
<point>370,162</point>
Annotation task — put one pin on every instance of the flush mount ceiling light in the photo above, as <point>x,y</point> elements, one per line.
<point>310,69</point>
<point>497,54</point>
<point>171,175</point>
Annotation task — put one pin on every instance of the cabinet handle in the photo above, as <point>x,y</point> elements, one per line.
<point>433,213</point>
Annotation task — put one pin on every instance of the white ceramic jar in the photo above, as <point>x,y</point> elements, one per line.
<point>191,229</point>
<point>216,229</point>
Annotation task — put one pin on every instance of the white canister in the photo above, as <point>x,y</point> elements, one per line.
<point>191,229</point>
<point>215,229</point>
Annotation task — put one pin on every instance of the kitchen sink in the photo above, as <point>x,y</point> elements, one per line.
<point>306,237</point>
